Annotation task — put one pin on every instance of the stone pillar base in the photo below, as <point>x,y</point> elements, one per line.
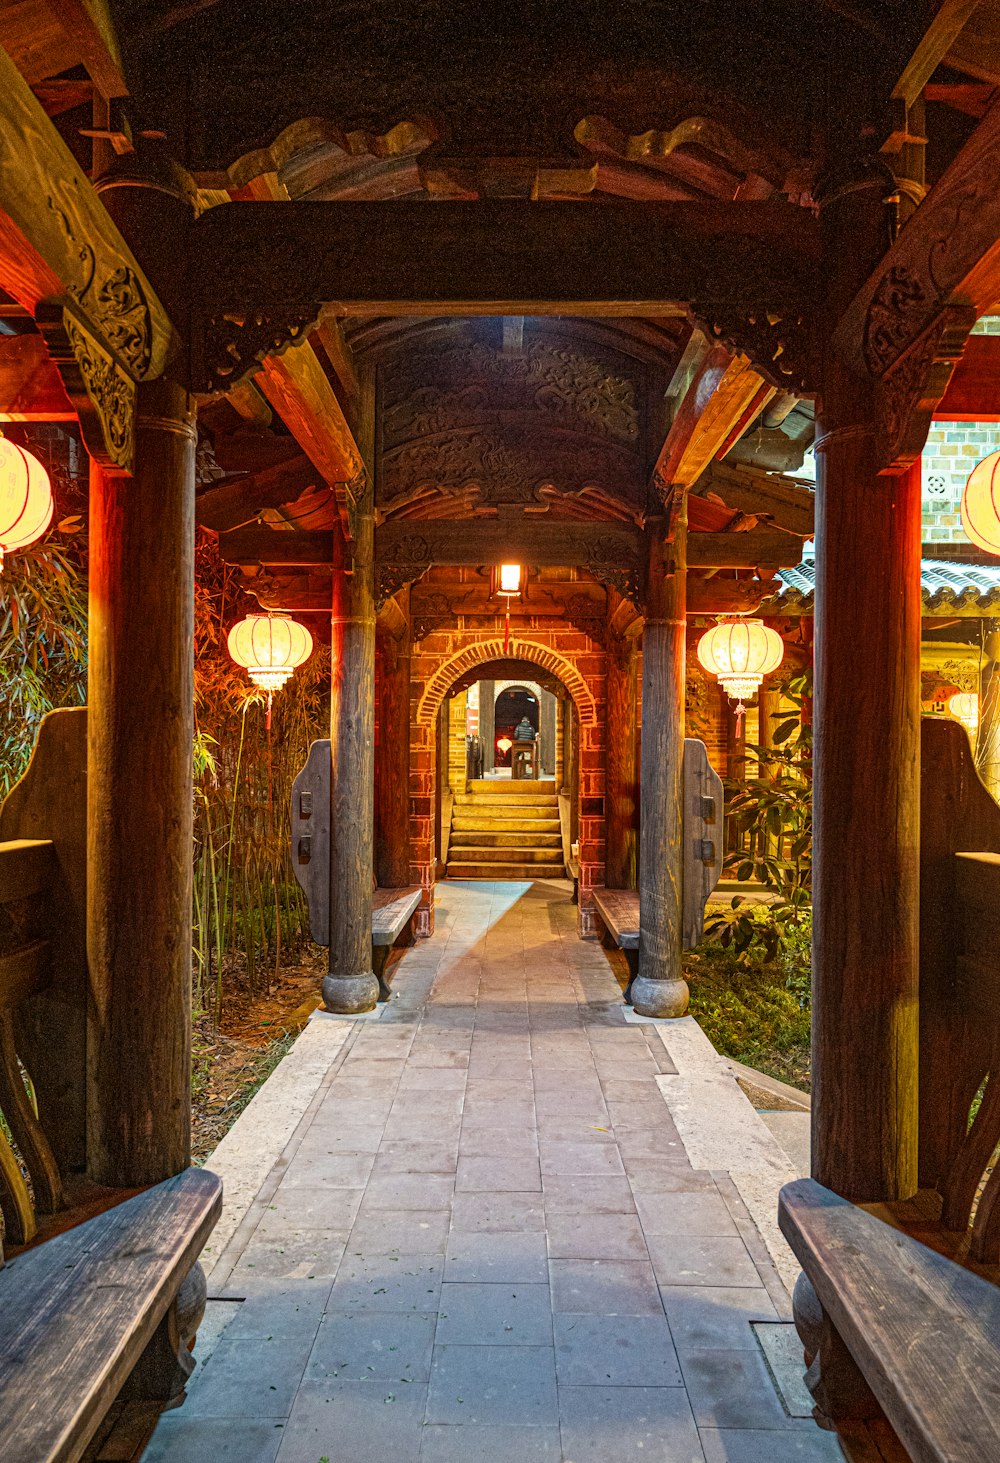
<point>349,995</point>
<point>659,997</point>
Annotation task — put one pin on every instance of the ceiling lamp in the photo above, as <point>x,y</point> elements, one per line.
<point>981,504</point>
<point>740,653</point>
<point>508,583</point>
<point>26,505</point>
<point>269,647</point>
<point>964,707</point>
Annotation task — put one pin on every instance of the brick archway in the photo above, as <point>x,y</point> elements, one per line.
<point>489,650</point>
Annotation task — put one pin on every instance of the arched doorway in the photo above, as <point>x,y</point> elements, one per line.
<point>578,786</point>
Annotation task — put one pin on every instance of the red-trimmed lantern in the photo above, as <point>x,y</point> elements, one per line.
<point>26,505</point>
<point>740,653</point>
<point>964,707</point>
<point>981,504</point>
<point>270,648</point>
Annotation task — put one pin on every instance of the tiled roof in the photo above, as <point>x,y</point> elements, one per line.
<point>946,587</point>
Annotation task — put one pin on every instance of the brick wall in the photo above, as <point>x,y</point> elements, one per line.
<point>438,661</point>
<point>952,451</point>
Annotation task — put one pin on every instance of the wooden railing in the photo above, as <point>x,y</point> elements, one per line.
<point>959,994</point>
<point>43,987</point>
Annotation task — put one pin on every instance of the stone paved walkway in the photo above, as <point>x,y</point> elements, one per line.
<point>487,1243</point>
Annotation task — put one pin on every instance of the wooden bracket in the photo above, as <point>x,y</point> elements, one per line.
<point>908,392</point>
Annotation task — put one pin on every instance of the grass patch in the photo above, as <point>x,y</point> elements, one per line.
<point>758,1015</point>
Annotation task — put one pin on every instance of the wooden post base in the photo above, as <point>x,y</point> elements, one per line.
<point>651,997</point>
<point>349,995</point>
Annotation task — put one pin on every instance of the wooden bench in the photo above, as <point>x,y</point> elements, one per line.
<point>619,913</point>
<point>94,1338</point>
<point>904,1332</point>
<point>101,1293</point>
<point>392,914</point>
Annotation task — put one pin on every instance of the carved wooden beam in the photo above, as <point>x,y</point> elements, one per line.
<point>718,396</point>
<point>64,260</point>
<point>31,389</point>
<point>297,388</point>
<point>761,548</point>
<point>905,329</point>
<point>269,268</point>
<point>786,505</point>
<point>89,26</point>
<point>973,390</point>
<point>233,504</point>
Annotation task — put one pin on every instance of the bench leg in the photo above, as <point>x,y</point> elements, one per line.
<point>833,1376</point>
<point>632,956</point>
<point>380,957</point>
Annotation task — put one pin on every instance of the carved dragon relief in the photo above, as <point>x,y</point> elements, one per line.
<point>99,386</point>
<point>234,342</point>
<point>780,345</point>
<point>910,389</point>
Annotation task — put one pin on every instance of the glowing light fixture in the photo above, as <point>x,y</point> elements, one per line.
<point>964,707</point>
<point>740,653</point>
<point>269,647</point>
<point>981,504</point>
<point>508,584</point>
<point>26,505</point>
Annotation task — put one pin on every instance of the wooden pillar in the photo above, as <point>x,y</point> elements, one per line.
<point>866,724</point>
<point>622,785</point>
<point>351,984</point>
<point>487,723</point>
<point>547,732</point>
<point>140,800</point>
<point>988,738</point>
<point>392,753</point>
<point>659,989</point>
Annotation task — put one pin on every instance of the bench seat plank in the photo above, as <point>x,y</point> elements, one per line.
<point>391,909</point>
<point>79,1310</point>
<point>924,1332</point>
<point>619,909</point>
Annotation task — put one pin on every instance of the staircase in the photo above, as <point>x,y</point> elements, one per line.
<point>506,830</point>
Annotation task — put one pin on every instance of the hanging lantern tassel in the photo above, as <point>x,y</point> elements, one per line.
<point>270,648</point>
<point>506,628</point>
<point>740,653</point>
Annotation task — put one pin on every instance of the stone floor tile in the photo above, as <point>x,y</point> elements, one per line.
<point>493,1386</point>
<point>595,1237</point>
<point>405,1282</point>
<point>749,1446</point>
<point>499,1257</point>
<point>329,1170</point>
<point>249,1376</point>
<point>313,1255</point>
<point>579,1158</point>
<point>294,1209</point>
<point>614,1424</point>
<point>733,1389</point>
<point>400,1231</point>
<point>366,1345</point>
<point>489,1141</point>
<point>278,1308</point>
<point>692,1260</point>
<point>355,1422</point>
<point>398,1156</point>
<point>498,1175</point>
<point>702,1214</point>
<point>179,1438</point>
<point>707,1317</point>
<point>406,1125</point>
<point>668,1176</point>
<point>615,1351</point>
<point>586,1194</point>
<point>409,1191</point>
<point>495,1213</point>
<point>604,1287</point>
<point>458,1444</point>
<point>494,1314</point>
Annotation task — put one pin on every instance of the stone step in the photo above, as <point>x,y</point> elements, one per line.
<point>486,800</point>
<point>478,870</point>
<point>462,823</point>
<point>508,787</point>
<point>491,838</point>
<point>465,853</point>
